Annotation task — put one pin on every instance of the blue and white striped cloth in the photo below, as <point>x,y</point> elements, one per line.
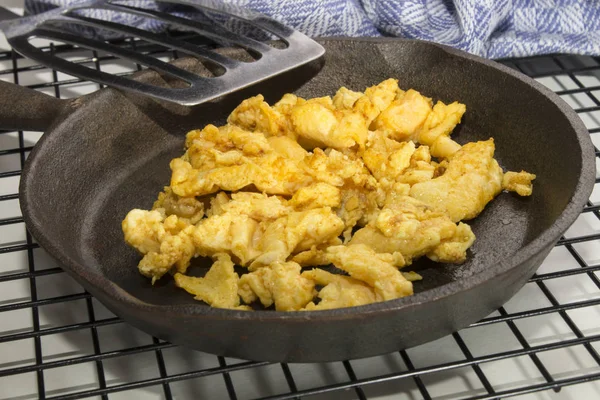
<point>489,28</point>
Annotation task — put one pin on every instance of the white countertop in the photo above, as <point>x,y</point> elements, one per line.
<point>562,363</point>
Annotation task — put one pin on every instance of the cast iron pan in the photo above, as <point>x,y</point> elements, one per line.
<point>108,152</point>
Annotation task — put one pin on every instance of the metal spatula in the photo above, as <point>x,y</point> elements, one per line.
<point>58,25</point>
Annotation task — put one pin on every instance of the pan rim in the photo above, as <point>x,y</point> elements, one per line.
<point>90,277</point>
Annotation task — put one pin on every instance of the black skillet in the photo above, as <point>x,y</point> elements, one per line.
<point>108,152</point>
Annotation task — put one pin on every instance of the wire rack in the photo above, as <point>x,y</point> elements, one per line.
<point>58,342</point>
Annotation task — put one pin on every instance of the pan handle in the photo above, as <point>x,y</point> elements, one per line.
<point>26,109</point>
<point>22,108</point>
<point>5,14</point>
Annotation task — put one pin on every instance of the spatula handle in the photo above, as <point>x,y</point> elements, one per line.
<point>22,108</point>
<point>26,109</point>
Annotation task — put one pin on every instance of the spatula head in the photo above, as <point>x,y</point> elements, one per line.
<point>80,24</point>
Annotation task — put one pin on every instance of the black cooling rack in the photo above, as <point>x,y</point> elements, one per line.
<point>58,342</point>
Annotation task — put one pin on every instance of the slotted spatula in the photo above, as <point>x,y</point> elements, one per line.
<point>58,24</point>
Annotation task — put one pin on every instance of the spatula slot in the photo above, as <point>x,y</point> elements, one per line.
<point>205,28</point>
<point>214,62</point>
<point>217,11</point>
<point>193,45</point>
<point>183,78</point>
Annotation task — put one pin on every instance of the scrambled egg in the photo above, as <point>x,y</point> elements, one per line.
<point>279,283</point>
<point>365,181</point>
<point>219,287</point>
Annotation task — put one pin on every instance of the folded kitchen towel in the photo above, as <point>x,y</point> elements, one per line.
<point>489,28</point>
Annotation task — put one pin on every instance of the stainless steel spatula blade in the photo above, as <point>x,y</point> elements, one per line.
<point>270,61</point>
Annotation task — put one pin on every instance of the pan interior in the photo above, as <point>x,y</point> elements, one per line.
<point>113,153</point>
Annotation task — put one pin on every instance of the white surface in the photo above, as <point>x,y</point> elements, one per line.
<point>484,340</point>
<point>15,6</point>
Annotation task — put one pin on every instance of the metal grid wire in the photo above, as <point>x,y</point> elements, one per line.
<point>58,342</point>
